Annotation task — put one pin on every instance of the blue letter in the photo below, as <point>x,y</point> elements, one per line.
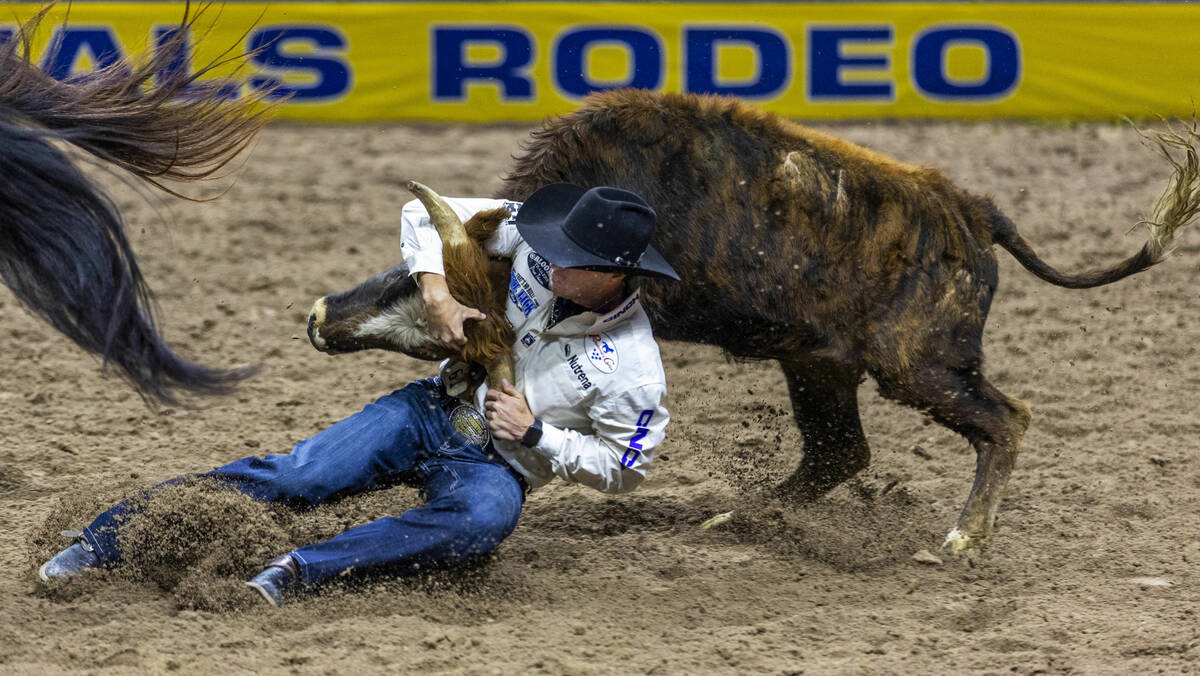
<point>635,444</point>
<point>6,35</point>
<point>645,54</point>
<point>929,63</point>
<point>826,61</point>
<point>774,61</point>
<point>268,45</point>
<point>630,457</point>
<point>451,72</point>
<point>66,45</point>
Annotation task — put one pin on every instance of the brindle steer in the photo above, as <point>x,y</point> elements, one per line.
<point>837,261</point>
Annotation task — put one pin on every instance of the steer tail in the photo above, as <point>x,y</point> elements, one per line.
<point>63,248</point>
<point>1176,207</point>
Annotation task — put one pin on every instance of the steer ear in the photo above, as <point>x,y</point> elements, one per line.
<point>448,225</point>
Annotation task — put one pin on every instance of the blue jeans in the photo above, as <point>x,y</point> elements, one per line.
<point>473,498</point>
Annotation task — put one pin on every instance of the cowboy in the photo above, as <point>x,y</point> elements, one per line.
<point>587,405</point>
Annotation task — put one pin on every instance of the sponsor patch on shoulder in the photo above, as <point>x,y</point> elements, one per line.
<point>601,352</point>
<point>513,208</point>
<point>527,339</point>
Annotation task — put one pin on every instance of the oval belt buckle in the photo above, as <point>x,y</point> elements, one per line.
<point>469,422</point>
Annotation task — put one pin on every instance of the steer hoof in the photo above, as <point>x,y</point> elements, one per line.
<point>962,545</point>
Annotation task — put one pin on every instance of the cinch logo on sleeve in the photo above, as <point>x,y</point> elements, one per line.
<point>635,444</point>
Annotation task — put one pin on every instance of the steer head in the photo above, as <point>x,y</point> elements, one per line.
<point>386,311</point>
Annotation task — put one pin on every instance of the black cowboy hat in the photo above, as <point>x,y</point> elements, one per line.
<point>600,228</point>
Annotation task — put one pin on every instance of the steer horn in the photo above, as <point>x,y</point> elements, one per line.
<point>466,276</point>
<point>448,224</point>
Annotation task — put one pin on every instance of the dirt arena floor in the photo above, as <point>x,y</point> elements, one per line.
<point>1093,569</point>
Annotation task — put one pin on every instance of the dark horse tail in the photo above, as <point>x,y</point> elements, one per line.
<point>63,249</point>
<point>1178,205</point>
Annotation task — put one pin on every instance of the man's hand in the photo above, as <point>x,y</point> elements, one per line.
<point>445,315</point>
<point>507,413</point>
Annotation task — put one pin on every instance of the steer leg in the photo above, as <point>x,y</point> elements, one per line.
<point>963,400</point>
<point>825,405</point>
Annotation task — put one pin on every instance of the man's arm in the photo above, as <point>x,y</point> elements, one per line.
<point>627,427</point>
<point>445,315</point>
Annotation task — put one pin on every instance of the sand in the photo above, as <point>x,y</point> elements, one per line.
<point>1101,511</point>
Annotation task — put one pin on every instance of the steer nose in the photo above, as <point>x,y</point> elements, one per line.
<point>316,317</point>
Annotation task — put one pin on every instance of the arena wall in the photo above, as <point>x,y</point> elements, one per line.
<point>485,62</point>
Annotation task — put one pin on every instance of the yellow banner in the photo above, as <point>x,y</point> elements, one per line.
<point>523,61</point>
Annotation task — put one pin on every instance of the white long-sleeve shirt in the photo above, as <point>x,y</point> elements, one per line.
<point>594,379</point>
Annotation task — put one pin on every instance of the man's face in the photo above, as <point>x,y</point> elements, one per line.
<point>582,286</point>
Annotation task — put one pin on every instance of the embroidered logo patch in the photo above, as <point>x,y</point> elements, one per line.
<point>513,208</point>
<point>527,339</point>
<point>521,294</point>
<point>601,352</point>
<point>470,423</point>
<point>577,370</point>
<point>539,269</point>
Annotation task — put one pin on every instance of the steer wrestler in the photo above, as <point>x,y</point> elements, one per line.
<point>589,408</point>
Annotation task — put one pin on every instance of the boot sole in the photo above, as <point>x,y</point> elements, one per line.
<point>263,592</point>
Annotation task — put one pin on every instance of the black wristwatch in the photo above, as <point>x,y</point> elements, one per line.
<point>533,434</point>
